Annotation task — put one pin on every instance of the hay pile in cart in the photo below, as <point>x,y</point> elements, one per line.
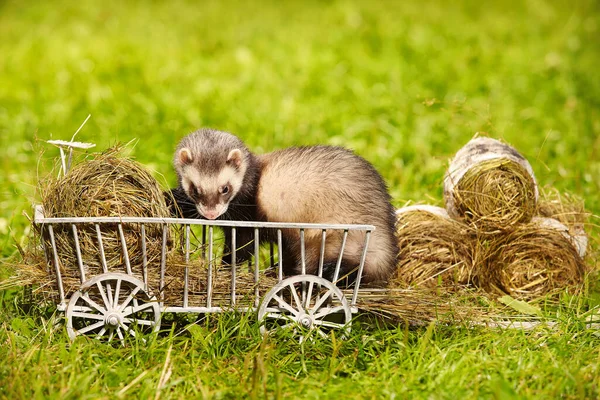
<point>110,185</point>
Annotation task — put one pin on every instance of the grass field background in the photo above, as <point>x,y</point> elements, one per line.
<point>404,84</point>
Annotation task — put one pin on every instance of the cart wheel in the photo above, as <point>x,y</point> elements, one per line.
<point>111,306</point>
<point>306,304</point>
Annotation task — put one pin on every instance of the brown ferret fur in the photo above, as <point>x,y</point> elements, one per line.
<point>220,178</point>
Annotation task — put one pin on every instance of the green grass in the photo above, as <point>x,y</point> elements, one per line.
<point>404,85</point>
<point>227,358</point>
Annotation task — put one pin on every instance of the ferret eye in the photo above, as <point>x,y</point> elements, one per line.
<point>224,189</point>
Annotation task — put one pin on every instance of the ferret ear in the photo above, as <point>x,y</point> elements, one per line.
<point>235,158</point>
<point>185,156</point>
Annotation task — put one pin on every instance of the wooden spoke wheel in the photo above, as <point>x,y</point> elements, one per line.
<point>305,304</point>
<point>110,307</point>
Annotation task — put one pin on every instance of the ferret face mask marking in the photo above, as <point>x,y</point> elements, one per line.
<point>211,192</point>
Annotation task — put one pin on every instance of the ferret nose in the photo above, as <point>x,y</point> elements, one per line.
<point>211,214</point>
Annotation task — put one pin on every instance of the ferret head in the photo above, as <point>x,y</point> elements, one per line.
<point>211,166</point>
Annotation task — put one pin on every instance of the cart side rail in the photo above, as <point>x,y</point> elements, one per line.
<point>72,226</point>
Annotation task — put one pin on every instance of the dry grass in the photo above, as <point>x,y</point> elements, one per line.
<point>496,195</point>
<point>33,271</point>
<point>106,185</point>
<point>490,186</point>
<point>421,306</point>
<point>435,250</point>
<point>245,283</point>
<point>533,261</point>
<point>570,211</point>
<point>110,185</point>
<point>564,207</point>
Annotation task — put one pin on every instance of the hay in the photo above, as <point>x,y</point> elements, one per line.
<point>490,186</point>
<point>422,306</point>
<point>434,249</point>
<point>107,185</point>
<point>110,185</point>
<point>570,211</point>
<point>221,284</point>
<point>34,271</point>
<point>535,260</point>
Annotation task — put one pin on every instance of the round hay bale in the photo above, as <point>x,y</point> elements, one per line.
<point>434,249</point>
<point>490,186</point>
<point>535,260</point>
<point>108,185</point>
<point>570,211</point>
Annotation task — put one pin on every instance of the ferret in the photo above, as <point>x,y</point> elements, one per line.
<point>315,184</point>
<point>217,179</point>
